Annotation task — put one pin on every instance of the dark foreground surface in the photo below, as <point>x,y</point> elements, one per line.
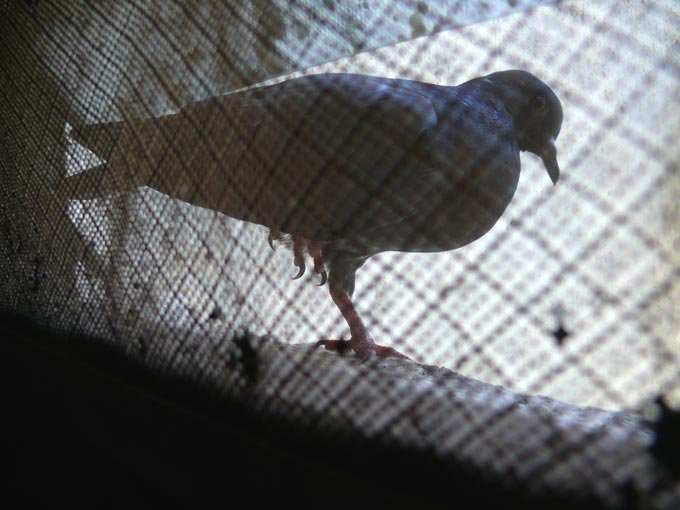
<point>85,425</point>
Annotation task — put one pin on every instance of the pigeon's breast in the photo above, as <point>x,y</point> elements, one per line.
<point>474,174</point>
<point>451,215</point>
<point>461,178</point>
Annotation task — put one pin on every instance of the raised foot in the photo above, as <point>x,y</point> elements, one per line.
<point>364,350</point>
<point>300,246</point>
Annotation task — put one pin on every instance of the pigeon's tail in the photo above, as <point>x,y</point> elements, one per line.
<point>99,138</point>
<point>103,180</point>
<point>97,182</point>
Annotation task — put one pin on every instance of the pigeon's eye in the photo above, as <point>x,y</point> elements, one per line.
<point>538,104</point>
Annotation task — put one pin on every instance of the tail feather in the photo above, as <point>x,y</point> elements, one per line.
<point>98,182</point>
<point>105,179</point>
<point>99,138</point>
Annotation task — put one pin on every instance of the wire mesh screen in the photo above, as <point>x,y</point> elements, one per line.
<point>151,153</point>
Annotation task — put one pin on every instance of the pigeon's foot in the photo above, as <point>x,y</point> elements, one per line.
<point>361,342</point>
<point>365,349</point>
<point>300,246</point>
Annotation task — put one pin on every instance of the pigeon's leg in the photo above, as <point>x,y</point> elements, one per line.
<point>361,342</point>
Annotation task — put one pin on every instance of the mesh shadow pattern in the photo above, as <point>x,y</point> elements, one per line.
<point>151,153</point>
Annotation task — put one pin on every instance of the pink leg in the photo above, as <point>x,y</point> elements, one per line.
<point>361,341</point>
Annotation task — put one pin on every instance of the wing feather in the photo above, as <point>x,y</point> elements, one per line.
<point>314,156</point>
<point>318,156</point>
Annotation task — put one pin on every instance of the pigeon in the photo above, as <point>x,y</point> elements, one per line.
<point>341,166</point>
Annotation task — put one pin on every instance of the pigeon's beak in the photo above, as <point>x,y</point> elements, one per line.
<point>549,156</point>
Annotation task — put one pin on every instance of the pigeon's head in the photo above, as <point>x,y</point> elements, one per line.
<point>536,111</point>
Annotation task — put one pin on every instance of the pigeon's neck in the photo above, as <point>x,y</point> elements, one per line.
<point>511,100</point>
<point>509,96</point>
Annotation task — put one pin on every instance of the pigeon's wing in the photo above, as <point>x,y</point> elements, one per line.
<point>318,156</point>
<point>314,156</point>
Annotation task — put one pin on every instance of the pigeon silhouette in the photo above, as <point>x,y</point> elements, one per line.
<point>342,166</point>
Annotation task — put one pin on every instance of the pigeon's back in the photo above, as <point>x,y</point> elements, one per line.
<point>326,157</point>
<point>313,156</point>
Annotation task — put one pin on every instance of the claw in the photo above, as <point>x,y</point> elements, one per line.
<point>300,245</point>
<point>315,250</point>
<point>298,256</point>
<point>370,355</point>
<point>274,235</point>
<point>339,346</point>
<point>301,271</point>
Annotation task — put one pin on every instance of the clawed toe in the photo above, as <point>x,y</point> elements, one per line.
<point>339,346</point>
<point>274,235</point>
<point>300,245</point>
<point>301,271</point>
<point>364,350</point>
